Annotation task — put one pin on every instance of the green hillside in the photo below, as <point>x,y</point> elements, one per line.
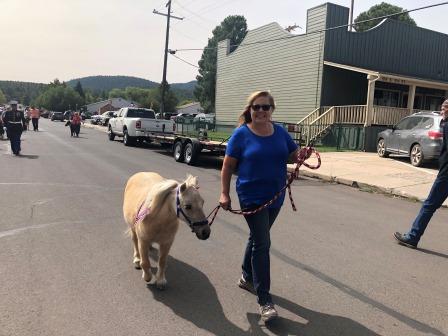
<point>107,83</point>
<point>22,91</point>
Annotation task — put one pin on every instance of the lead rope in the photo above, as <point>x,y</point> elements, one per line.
<point>302,155</point>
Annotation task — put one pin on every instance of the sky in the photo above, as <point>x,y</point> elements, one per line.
<point>41,40</point>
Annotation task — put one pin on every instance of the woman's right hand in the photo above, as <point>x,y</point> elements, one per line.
<point>224,201</point>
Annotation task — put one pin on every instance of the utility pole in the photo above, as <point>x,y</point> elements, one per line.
<point>351,15</point>
<point>164,82</point>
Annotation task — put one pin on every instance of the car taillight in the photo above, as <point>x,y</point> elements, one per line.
<point>435,135</point>
<point>138,124</point>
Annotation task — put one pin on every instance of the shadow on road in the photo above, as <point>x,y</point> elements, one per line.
<point>344,288</point>
<point>438,254</point>
<point>191,296</point>
<point>28,156</point>
<point>316,323</point>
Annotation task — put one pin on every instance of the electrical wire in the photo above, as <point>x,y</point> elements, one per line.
<point>316,31</point>
<point>181,59</point>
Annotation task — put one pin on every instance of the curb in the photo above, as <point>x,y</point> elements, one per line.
<point>97,127</point>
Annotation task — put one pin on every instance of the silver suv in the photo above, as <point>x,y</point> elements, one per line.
<point>417,136</point>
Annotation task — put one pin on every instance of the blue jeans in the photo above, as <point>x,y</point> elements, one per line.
<point>436,197</point>
<point>256,262</point>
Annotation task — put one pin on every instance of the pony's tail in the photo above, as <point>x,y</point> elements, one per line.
<point>159,193</point>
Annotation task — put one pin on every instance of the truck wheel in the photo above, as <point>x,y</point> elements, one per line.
<point>191,153</point>
<point>110,134</point>
<point>178,151</point>
<point>128,140</point>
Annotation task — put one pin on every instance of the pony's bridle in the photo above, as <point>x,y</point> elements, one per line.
<point>191,224</point>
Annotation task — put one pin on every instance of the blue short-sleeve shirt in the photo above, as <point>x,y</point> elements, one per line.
<point>262,163</point>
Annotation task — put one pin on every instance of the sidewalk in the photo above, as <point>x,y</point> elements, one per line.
<point>368,171</point>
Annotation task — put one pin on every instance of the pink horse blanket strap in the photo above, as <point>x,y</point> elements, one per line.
<point>141,214</point>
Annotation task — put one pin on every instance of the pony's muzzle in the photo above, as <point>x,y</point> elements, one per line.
<point>203,232</point>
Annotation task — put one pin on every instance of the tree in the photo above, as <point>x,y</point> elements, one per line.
<point>234,28</point>
<point>170,102</point>
<point>59,98</point>
<point>78,88</point>
<point>381,10</point>
<point>2,98</point>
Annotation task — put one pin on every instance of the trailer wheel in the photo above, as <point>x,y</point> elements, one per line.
<point>178,151</point>
<point>192,151</point>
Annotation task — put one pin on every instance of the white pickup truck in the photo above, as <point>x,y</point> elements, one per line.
<point>135,124</point>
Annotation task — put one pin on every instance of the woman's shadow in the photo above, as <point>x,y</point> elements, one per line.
<point>191,296</point>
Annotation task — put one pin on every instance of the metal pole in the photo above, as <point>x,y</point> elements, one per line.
<point>351,15</point>
<point>162,103</point>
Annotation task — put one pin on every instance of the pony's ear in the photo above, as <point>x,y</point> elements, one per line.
<point>183,187</point>
<point>194,180</point>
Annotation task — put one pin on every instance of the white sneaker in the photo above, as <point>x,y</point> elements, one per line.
<point>268,312</point>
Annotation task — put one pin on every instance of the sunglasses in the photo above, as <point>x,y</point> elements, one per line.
<point>264,107</point>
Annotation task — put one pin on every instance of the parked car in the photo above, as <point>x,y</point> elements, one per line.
<point>68,115</point>
<point>417,136</point>
<point>105,117</point>
<point>96,119</point>
<point>57,116</point>
<point>184,118</point>
<point>86,115</point>
<point>205,117</point>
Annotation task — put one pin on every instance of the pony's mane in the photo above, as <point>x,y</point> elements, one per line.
<point>159,194</point>
<point>162,190</point>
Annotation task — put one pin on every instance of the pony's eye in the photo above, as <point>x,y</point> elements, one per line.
<point>188,207</point>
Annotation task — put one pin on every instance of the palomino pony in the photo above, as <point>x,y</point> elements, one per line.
<point>152,208</point>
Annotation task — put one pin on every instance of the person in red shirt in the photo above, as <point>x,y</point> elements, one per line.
<point>35,115</point>
<point>75,124</point>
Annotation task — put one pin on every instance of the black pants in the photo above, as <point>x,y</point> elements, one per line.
<point>14,137</point>
<point>35,123</point>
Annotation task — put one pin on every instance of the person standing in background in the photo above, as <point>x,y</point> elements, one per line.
<point>35,115</point>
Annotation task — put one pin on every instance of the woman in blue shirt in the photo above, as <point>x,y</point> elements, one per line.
<point>260,150</point>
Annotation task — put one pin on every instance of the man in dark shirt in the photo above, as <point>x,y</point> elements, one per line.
<point>437,195</point>
<point>14,121</point>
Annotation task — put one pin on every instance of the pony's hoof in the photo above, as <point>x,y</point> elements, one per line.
<point>161,285</point>
<point>137,266</point>
<point>148,277</point>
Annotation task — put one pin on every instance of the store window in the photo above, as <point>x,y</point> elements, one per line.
<point>386,98</point>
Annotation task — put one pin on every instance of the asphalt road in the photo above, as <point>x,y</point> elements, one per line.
<point>66,265</point>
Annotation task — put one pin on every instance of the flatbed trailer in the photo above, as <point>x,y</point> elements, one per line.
<point>185,148</point>
<point>188,148</point>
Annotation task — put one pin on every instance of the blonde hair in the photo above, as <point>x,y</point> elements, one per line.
<point>245,117</point>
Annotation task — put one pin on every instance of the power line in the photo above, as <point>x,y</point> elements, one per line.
<point>316,31</point>
<point>180,59</point>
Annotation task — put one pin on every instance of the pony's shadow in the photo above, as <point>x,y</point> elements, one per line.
<point>191,296</point>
